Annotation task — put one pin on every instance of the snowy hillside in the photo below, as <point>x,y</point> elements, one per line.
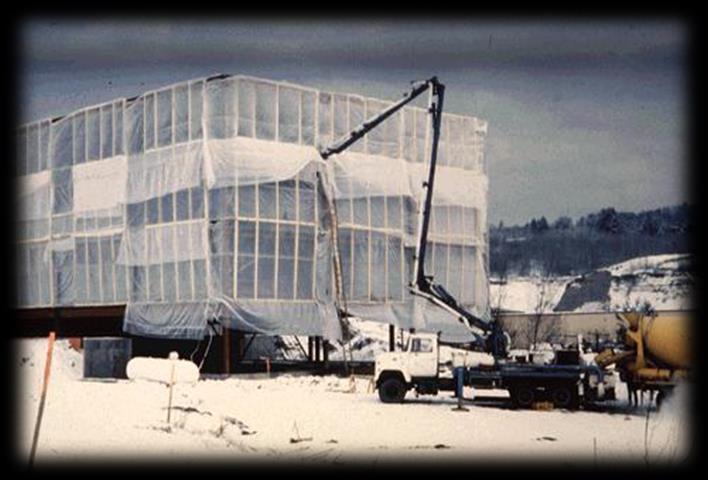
<point>665,281</point>
<point>662,281</point>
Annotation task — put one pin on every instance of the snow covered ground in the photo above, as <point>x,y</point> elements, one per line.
<point>315,419</point>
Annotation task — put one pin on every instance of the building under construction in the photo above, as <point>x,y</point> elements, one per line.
<point>202,207</point>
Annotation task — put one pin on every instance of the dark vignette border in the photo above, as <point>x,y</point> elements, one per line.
<point>566,467</point>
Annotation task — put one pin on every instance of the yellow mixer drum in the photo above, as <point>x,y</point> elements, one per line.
<point>666,337</point>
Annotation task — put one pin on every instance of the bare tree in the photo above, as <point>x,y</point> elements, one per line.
<point>497,302</point>
<point>541,326</point>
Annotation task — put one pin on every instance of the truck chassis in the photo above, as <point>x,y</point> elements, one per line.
<point>566,386</point>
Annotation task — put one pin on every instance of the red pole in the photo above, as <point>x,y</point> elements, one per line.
<point>45,384</point>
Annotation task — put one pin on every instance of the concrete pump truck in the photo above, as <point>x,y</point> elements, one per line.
<point>566,382</point>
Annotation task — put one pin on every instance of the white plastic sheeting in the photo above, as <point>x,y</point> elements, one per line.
<point>357,175</point>
<point>34,197</point>
<point>378,188</point>
<point>161,172</point>
<point>249,161</point>
<point>206,200</point>
<point>100,185</point>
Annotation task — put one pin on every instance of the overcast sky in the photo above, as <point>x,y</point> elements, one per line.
<point>582,115</point>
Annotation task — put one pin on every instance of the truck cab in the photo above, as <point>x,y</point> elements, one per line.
<point>397,372</point>
<point>421,365</point>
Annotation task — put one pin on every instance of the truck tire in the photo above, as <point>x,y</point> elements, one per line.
<point>392,390</point>
<point>522,396</point>
<point>564,397</point>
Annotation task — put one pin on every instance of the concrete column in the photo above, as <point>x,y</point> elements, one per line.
<point>240,345</point>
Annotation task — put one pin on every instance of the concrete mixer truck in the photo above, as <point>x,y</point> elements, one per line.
<point>655,356</point>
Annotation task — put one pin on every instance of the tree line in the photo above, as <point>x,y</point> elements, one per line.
<point>596,240</point>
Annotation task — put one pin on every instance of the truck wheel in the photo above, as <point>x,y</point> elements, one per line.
<point>563,397</point>
<point>392,390</point>
<point>522,396</point>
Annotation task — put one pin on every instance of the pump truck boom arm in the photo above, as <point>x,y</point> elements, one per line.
<point>344,142</point>
<point>422,284</point>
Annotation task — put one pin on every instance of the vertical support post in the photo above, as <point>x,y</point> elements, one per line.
<point>309,348</point>
<point>325,353</point>
<point>459,376</point>
<point>226,351</point>
<point>456,377</point>
<point>317,349</point>
<point>244,346</point>
<point>391,338</point>
<point>240,337</point>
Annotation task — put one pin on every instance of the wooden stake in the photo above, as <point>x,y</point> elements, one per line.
<point>45,384</point>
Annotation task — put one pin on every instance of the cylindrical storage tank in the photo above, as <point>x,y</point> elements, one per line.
<point>666,337</point>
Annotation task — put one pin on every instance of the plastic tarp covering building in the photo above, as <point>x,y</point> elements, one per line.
<point>207,201</point>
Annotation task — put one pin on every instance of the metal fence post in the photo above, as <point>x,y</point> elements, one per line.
<point>459,376</point>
